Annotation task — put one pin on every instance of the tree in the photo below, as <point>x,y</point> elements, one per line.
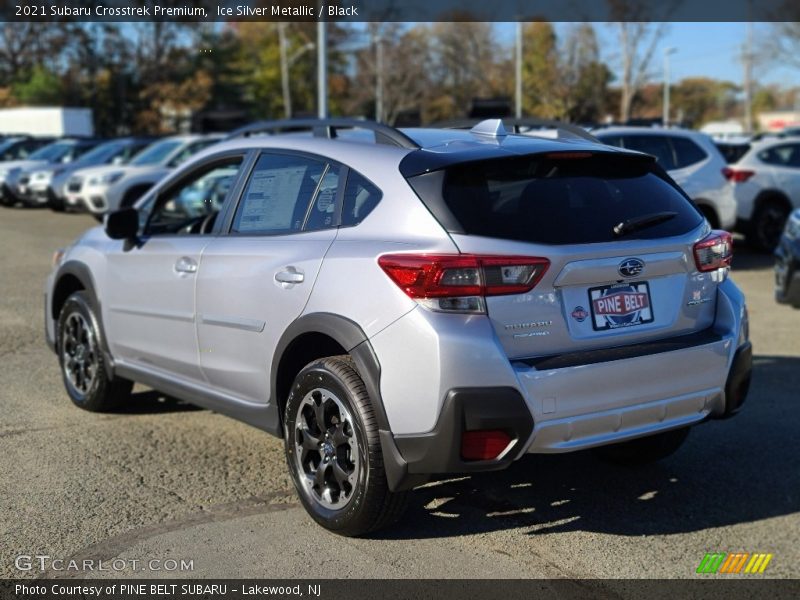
<point>43,88</point>
<point>403,85</point>
<point>637,42</point>
<point>585,76</point>
<point>638,32</point>
<point>464,65</point>
<point>782,45</point>
<point>702,99</point>
<point>543,88</point>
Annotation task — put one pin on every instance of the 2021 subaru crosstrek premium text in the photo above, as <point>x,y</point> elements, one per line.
<point>397,305</point>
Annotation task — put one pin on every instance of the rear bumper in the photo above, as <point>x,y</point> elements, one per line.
<point>564,403</point>
<point>653,393</point>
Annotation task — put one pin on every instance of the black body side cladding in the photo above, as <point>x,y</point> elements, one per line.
<point>466,409</point>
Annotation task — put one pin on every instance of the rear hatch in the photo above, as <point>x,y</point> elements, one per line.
<point>618,235</point>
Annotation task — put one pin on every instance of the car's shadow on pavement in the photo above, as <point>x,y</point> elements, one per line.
<point>734,471</point>
<point>153,402</point>
<point>746,258</point>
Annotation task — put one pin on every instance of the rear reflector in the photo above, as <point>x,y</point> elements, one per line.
<point>715,251</point>
<point>737,175</point>
<point>485,444</point>
<point>460,275</point>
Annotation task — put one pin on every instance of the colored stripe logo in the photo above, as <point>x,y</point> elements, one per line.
<point>734,563</point>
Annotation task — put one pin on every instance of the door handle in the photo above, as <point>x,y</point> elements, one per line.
<point>290,275</point>
<point>186,265</point>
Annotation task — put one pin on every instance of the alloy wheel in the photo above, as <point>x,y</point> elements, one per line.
<point>79,353</point>
<point>326,449</point>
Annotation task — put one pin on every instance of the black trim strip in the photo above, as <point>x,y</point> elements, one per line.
<point>591,357</point>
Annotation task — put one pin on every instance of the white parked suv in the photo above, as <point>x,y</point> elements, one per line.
<point>691,158</point>
<point>106,188</point>
<point>403,304</point>
<point>765,184</point>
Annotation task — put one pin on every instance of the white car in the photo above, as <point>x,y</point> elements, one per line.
<point>765,184</point>
<point>109,187</point>
<point>690,158</point>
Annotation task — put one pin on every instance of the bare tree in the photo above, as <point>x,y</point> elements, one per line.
<point>465,66</point>
<point>638,38</point>
<point>637,43</point>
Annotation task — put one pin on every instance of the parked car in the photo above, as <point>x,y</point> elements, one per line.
<point>19,147</point>
<point>787,263</point>
<point>411,303</point>
<point>107,188</point>
<point>12,150</point>
<point>48,184</point>
<point>19,178</point>
<point>690,158</point>
<point>765,183</point>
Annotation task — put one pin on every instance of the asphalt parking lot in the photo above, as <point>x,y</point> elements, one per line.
<point>165,480</point>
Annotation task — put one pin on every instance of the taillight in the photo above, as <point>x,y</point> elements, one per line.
<point>737,175</point>
<point>715,251</point>
<point>460,282</point>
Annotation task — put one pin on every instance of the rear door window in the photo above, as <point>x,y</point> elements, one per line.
<point>563,201</point>
<point>278,195</point>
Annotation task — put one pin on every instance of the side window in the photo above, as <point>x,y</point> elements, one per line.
<point>785,155</point>
<point>360,197</point>
<point>278,195</point>
<point>192,204</point>
<point>657,145</point>
<point>687,152</point>
<point>323,211</point>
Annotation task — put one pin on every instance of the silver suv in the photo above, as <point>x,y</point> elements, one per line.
<point>399,305</point>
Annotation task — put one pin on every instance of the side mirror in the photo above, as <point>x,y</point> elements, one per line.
<point>122,224</point>
<point>118,160</point>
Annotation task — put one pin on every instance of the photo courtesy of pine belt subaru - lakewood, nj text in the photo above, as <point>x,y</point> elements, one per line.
<point>402,304</point>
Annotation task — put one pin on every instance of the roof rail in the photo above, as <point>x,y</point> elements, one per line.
<point>328,128</point>
<point>521,125</point>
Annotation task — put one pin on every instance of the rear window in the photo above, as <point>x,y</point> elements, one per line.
<point>687,152</point>
<point>562,201</point>
<point>732,152</point>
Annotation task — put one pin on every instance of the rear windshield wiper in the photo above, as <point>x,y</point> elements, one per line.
<point>643,222</point>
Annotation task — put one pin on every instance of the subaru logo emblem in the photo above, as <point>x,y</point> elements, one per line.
<point>631,267</point>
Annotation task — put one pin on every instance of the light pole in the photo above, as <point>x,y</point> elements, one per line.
<point>322,70</point>
<point>378,76</point>
<point>518,73</point>
<point>665,117</point>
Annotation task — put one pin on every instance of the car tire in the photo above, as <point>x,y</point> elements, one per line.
<point>80,355</point>
<point>767,225</point>
<point>337,466</point>
<point>58,205</point>
<point>646,450</point>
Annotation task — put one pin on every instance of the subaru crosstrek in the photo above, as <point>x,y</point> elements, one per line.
<point>399,305</point>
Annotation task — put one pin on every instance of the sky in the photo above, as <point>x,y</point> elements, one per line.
<point>702,50</point>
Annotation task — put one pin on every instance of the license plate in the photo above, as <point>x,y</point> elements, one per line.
<point>620,305</point>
